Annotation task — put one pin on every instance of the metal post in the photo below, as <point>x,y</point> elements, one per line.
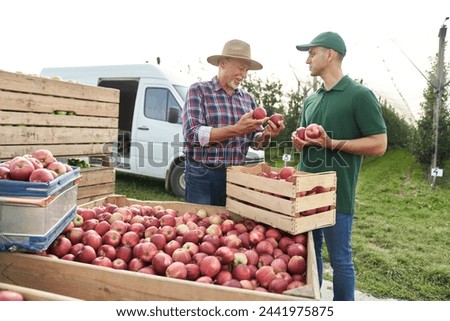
<point>438,90</point>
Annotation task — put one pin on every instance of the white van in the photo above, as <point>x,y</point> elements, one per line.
<point>150,138</point>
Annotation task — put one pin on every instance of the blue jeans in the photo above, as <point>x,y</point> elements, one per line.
<point>338,239</point>
<point>205,185</point>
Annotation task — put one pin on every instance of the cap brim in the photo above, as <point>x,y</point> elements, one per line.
<point>304,47</point>
<point>214,60</point>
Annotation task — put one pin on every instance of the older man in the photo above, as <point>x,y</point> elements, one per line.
<point>218,125</point>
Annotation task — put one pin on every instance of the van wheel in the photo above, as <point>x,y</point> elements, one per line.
<point>177,180</point>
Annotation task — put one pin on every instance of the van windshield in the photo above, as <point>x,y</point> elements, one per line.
<point>182,90</point>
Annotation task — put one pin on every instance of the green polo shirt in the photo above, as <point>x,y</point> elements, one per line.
<point>347,111</point>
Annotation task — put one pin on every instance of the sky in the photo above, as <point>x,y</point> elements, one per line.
<point>389,43</point>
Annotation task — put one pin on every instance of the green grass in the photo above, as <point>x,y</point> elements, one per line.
<point>401,235</point>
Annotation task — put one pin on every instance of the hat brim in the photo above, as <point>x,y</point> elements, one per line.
<point>304,47</point>
<point>214,60</point>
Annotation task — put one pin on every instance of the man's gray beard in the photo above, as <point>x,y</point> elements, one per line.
<point>232,85</point>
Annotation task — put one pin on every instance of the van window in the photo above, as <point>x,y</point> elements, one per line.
<point>157,103</point>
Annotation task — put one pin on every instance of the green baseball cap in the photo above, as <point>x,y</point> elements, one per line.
<point>328,40</point>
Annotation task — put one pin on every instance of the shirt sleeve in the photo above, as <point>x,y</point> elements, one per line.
<point>204,133</point>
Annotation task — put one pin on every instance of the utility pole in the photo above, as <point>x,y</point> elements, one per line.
<point>438,87</point>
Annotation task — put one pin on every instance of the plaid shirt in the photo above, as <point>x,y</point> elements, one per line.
<point>208,104</point>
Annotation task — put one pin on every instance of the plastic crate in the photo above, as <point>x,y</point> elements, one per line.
<point>31,226</point>
<point>33,243</point>
<point>37,189</point>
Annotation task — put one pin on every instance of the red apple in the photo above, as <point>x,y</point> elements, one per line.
<point>118,225</point>
<point>41,175</point>
<point>193,271</point>
<point>74,235</point>
<point>145,251</point>
<point>252,256</point>
<point>111,237</point>
<point>214,230</point>
<point>20,168</point>
<point>276,118</point>
<point>147,270</point>
<point>205,279</point>
<point>167,219</point>
<point>160,262</point>
<point>296,249</point>
<point>119,264</point>
<point>255,236</point>
<point>5,173</point>
<point>210,266</point>
<point>181,255</point>
<point>233,283</point>
<point>207,247</point>
<point>9,295</point>
<point>125,253</point>
<point>102,261</point>
<point>159,240</point>
<point>135,264</point>
<point>92,239</point>
<point>44,156</point>
<point>171,246</point>
<point>86,254</point>
<point>224,254</point>
<point>177,270</point>
<point>241,272</point>
<point>273,232</point>
<point>223,276</point>
<point>278,285</point>
<point>259,113</point>
<point>107,250</point>
<point>312,131</point>
<point>60,246</point>
<point>58,167</point>
<point>193,236</point>
<point>90,224</point>
<point>279,265</point>
<point>296,265</point>
<point>102,227</point>
<point>191,247</point>
<point>264,247</point>
<point>169,232</point>
<point>87,213</point>
<point>286,172</point>
<point>265,275</point>
<point>130,239</point>
<point>284,243</point>
<point>300,132</point>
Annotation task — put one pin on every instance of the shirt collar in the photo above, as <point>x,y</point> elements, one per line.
<point>340,86</point>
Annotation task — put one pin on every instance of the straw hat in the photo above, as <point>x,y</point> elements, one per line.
<point>236,49</point>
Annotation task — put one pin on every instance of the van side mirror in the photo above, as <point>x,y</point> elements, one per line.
<point>174,112</point>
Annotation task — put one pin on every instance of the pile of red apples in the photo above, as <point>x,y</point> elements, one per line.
<point>288,173</point>
<point>191,246</point>
<point>40,166</point>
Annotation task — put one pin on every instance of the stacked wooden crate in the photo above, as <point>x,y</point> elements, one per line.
<point>69,119</point>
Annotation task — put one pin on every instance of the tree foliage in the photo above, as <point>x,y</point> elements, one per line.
<point>423,142</point>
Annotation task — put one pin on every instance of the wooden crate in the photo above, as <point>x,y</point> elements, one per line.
<point>69,119</point>
<point>94,283</point>
<point>35,295</point>
<point>96,182</point>
<point>277,202</point>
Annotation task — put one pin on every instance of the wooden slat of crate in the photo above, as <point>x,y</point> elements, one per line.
<point>95,183</point>
<point>292,225</point>
<point>94,283</point>
<point>263,184</point>
<point>41,119</point>
<point>35,295</point>
<point>30,135</point>
<point>262,199</point>
<point>15,101</point>
<point>74,151</point>
<point>43,86</point>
